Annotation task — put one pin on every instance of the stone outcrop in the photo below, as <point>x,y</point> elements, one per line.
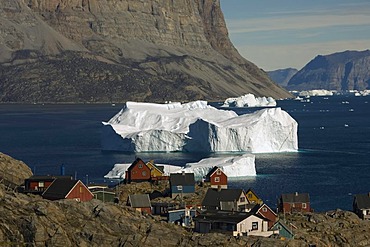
<point>119,50</point>
<point>341,71</point>
<point>13,171</point>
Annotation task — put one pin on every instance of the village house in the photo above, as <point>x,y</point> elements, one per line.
<point>217,178</point>
<point>155,171</point>
<point>252,197</point>
<point>183,216</point>
<point>285,232</point>
<point>225,199</point>
<point>38,184</point>
<point>265,212</point>
<point>138,171</point>
<point>296,202</point>
<point>103,193</point>
<point>140,202</point>
<point>361,206</point>
<point>238,223</point>
<point>182,184</point>
<point>67,189</point>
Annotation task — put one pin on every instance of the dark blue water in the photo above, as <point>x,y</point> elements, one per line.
<point>332,163</point>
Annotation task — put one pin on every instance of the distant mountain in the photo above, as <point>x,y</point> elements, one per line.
<point>348,70</point>
<point>282,76</point>
<point>120,50</point>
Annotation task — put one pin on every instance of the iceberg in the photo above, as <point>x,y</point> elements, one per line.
<point>234,167</point>
<point>249,100</point>
<point>316,92</point>
<point>198,127</point>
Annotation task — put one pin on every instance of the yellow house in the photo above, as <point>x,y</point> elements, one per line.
<point>155,171</point>
<point>252,197</point>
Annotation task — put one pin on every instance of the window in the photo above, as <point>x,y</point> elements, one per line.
<point>218,172</point>
<point>179,187</point>
<point>254,226</point>
<point>264,209</point>
<point>242,199</point>
<point>140,166</point>
<point>41,184</point>
<point>249,195</point>
<point>217,179</point>
<point>304,205</point>
<point>143,173</point>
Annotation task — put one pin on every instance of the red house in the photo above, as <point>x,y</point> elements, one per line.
<point>267,213</point>
<point>137,172</point>
<point>38,184</point>
<point>68,189</point>
<point>217,178</point>
<point>291,203</point>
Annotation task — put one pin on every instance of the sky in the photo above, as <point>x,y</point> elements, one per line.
<point>289,33</point>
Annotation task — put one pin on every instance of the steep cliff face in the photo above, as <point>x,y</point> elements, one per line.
<point>119,50</point>
<point>349,70</point>
<point>282,76</point>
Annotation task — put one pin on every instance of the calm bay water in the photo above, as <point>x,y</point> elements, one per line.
<point>332,163</point>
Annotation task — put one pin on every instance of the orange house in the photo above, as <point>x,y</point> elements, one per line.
<point>138,172</point>
<point>217,178</point>
<point>68,189</point>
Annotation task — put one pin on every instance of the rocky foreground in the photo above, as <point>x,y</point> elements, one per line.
<point>33,221</point>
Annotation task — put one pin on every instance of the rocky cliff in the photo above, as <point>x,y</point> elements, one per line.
<point>29,220</point>
<point>119,50</point>
<point>349,70</point>
<point>282,76</point>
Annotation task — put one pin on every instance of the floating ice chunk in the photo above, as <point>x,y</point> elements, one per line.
<point>198,127</point>
<point>249,100</point>
<point>317,92</point>
<point>233,167</point>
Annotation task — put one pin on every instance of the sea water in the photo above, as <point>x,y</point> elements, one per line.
<point>331,165</point>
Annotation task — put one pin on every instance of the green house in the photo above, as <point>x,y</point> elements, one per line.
<point>105,196</point>
<point>284,230</point>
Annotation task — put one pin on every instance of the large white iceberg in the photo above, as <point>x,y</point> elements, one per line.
<point>316,92</point>
<point>249,100</point>
<point>198,127</point>
<point>234,167</point>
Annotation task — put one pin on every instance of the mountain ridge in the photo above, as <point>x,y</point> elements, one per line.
<point>136,50</point>
<point>341,71</point>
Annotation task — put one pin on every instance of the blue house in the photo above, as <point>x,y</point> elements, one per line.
<point>182,184</point>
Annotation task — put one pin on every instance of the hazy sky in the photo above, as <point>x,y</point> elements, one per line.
<point>289,33</point>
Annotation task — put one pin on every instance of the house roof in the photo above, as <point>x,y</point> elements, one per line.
<point>158,168</point>
<point>252,191</point>
<point>295,198</point>
<point>363,201</point>
<point>213,197</point>
<point>213,170</point>
<point>233,217</point>
<point>258,208</point>
<point>182,179</point>
<point>281,223</point>
<point>60,188</point>
<point>139,201</point>
<point>138,160</point>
